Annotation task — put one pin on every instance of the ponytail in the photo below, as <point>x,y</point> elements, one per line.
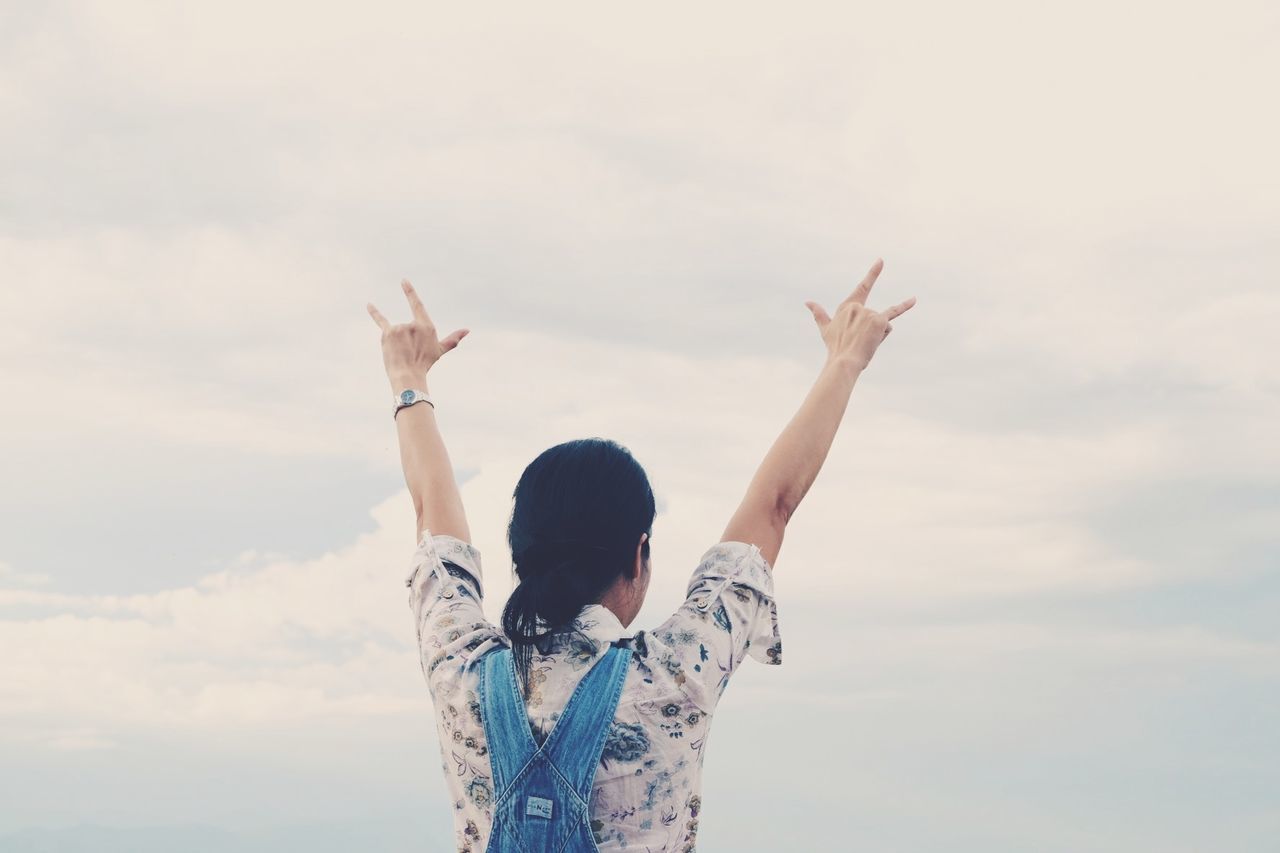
<point>580,508</point>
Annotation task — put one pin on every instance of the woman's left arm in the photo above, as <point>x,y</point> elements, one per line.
<point>409,351</point>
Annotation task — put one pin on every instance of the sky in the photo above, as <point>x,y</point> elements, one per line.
<point>1031,601</point>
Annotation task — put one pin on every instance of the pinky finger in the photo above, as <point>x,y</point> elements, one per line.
<point>377,317</point>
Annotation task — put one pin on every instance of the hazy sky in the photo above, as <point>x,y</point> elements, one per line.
<point>1032,601</point>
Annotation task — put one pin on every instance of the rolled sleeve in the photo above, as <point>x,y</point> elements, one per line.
<point>432,558</point>
<point>445,581</point>
<point>728,614</point>
<point>734,581</point>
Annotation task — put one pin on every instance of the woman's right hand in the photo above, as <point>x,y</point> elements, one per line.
<point>855,331</point>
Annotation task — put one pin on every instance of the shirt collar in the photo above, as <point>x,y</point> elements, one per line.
<point>600,624</point>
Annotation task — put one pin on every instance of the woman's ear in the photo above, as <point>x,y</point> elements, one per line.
<point>637,568</point>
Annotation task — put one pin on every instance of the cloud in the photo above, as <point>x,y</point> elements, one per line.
<point>11,577</point>
<point>328,637</point>
<point>290,640</point>
<point>1055,483</point>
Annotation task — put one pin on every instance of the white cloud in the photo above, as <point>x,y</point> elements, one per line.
<point>330,636</point>
<point>628,209</point>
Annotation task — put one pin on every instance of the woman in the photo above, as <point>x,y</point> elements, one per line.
<point>563,731</point>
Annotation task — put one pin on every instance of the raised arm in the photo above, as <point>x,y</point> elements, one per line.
<point>409,351</point>
<point>793,462</point>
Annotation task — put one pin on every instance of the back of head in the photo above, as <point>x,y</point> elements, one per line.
<point>579,510</point>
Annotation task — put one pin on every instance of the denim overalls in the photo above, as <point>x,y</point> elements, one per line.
<point>541,793</point>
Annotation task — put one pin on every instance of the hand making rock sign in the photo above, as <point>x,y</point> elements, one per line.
<point>855,332</point>
<point>410,349</point>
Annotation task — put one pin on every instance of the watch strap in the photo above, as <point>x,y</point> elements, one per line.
<point>408,397</point>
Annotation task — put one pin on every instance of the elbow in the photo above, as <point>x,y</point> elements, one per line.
<point>783,509</point>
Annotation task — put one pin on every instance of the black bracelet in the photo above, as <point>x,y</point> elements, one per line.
<point>414,403</point>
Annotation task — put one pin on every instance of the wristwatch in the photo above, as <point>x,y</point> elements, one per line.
<point>408,397</point>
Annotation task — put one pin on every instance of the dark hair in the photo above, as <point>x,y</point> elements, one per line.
<point>579,509</point>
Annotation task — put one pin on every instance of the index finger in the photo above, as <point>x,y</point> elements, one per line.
<point>863,290</point>
<point>419,310</point>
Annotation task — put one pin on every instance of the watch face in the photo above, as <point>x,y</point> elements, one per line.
<point>406,396</point>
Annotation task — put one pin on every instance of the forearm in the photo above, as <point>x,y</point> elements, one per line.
<point>793,462</point>
<point>428,473</point>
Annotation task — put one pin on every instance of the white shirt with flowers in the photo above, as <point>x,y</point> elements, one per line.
<point>646,795</point>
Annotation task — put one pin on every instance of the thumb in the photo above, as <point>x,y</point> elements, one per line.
<point>819,315</point>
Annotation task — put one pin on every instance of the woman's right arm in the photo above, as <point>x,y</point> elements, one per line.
<point>792,463</point>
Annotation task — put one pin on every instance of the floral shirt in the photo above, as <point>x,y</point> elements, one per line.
<point>646,791</point>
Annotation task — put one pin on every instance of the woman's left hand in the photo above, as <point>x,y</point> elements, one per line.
<point>410,349</point>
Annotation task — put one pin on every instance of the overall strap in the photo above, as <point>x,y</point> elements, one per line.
<point>506,723</point>
<point>577,739</point>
